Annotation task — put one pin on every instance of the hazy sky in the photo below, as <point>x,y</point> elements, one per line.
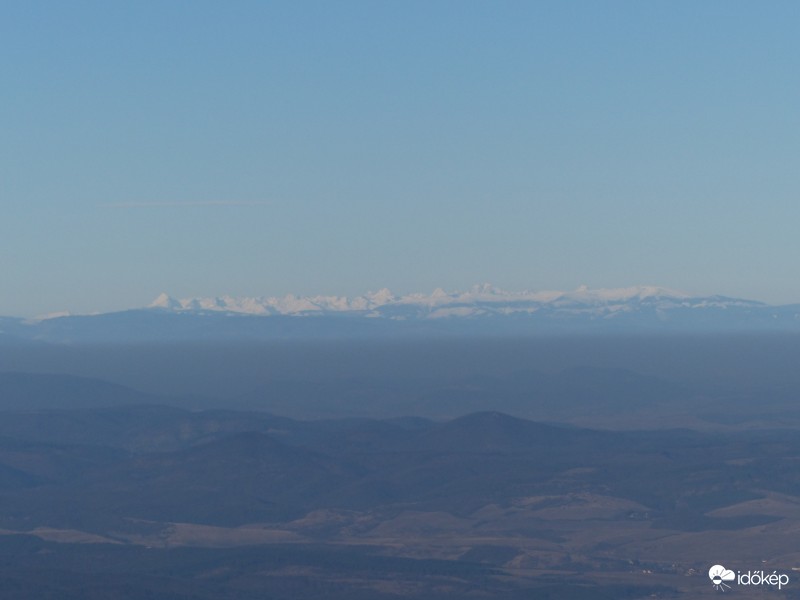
<point>260,148</point>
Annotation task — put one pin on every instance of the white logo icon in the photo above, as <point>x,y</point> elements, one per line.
<point>719,575</point>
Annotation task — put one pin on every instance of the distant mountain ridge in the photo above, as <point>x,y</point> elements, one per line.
<point>480,300</point>
<point>482,310</point>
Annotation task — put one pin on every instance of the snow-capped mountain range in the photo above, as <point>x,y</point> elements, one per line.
<point>480,311</point>
<point>480,300</point>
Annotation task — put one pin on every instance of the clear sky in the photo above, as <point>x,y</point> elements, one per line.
<point>261,148</point>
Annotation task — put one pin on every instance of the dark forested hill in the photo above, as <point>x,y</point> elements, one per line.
<point>226,503</point>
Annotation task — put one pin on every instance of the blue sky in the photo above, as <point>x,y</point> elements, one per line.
<point>261,148</point>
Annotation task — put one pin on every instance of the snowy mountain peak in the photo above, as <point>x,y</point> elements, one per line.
<point>639,292</point>
<point>164,300</point>
<point>379,298</point>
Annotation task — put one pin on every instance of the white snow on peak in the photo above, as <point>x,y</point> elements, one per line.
<point>48,316</point>
<point>379,298</point>
<point>639,292</point>
<point>166,301</point>
<point>478,300</point>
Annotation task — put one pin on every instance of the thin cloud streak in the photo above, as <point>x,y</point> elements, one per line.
<point>178,204</point>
